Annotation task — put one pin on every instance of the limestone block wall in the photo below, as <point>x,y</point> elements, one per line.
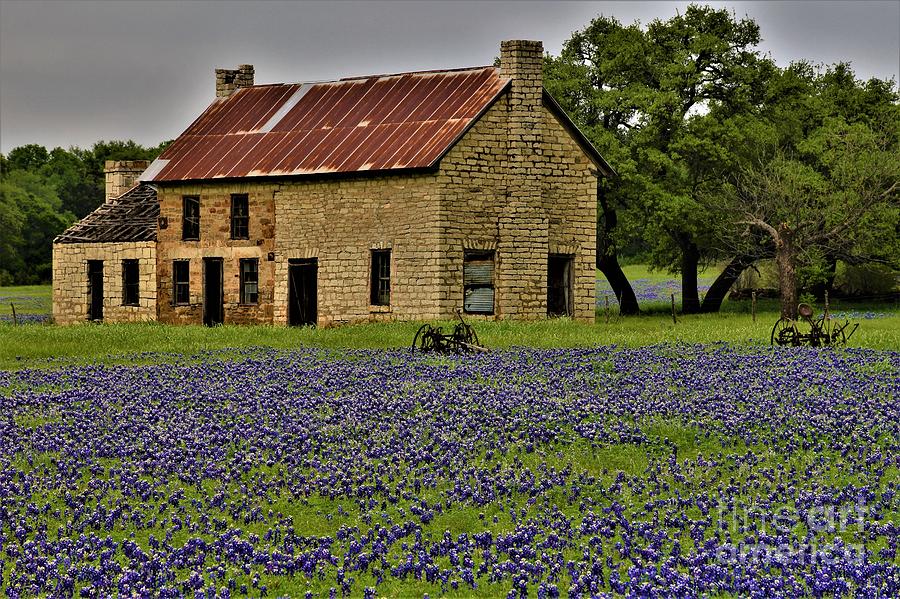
<point>569,200</point>
<point>339,222</point>
<point>484,206</point>
<point>215,242</point>
<point>70,281</point>
<point>121,175</point>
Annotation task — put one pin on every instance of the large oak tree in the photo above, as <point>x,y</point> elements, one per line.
<point>635,92</point>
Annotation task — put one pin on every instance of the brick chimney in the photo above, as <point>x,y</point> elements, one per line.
<point>121,175</point>
<point>230,80</point>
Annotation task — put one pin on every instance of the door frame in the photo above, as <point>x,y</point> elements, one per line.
<point>92,290</point>
<point>221,265</point>
<point>568,276</point>
<point>297,263</point>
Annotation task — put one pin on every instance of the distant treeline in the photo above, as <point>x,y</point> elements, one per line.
<point>42,192</point>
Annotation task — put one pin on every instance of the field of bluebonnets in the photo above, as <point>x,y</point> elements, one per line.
<point>667,470</point>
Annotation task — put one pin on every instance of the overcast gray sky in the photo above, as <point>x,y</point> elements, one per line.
<point>73,72</point>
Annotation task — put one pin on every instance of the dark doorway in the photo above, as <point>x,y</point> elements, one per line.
<point>302,298</point>
<point>559,285</point>
<point>213,312</point>
<point>95,289</point>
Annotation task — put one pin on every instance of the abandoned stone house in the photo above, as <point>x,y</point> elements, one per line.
<point>403,196</point>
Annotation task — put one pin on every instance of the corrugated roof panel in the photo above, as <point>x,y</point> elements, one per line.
<point>262,145</point>
<point>259,108</point>
<point>420,134</point>
<point>432,150</point>
<point>386,95</point>
<point>243,145</point>
<point>405,110</point>
<point>382,122</point>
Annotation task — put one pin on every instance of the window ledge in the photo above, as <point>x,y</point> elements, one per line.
<point>379,309</point>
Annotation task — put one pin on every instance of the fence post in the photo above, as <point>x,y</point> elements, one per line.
<point>674,321</point>
<point>753,304</point>
<point>606,309</point>
<point>826,304</point>
<point>15,320</point>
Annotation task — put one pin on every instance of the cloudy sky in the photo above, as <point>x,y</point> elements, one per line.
<point>74,72</point>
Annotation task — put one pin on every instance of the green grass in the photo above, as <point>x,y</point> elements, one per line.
<point>30,299</point>
<point>40,345</point>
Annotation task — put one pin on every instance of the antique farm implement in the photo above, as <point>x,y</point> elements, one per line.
<point>433,339</point>
<point>823,331</point>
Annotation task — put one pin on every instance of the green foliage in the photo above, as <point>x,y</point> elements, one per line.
<point>667,105</point>
<point>679,106</point>
<point>33,212</point>
<point>42,193</point>
<point>866,280</point>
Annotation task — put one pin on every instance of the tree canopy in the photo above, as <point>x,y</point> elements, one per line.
<point>680,106</point>
<point>42,192</point>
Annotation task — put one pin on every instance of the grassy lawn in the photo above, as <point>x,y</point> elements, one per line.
<point>35,345</point>
<point>28,299</point>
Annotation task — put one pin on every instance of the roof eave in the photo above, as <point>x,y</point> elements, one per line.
<point>325,175</point>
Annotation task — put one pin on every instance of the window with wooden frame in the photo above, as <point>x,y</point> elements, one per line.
<point>130,283</point>
<point>181,282</point>
<point>190,218</point>
<point>240,216</point>
<point>478,281</point>
<point>381,278</point>
<point>249,281</point>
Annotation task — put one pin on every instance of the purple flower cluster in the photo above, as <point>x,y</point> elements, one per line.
<point>648,291</point>
<point>861,315</point>
<point>30,309</point>
<point>26,318</point>
<point>672,470</point>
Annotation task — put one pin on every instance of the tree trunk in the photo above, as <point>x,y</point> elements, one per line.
<point>819,289</point>
<point>712,301</point>
<point>609,266</point>
<point>832,275</point>
<point>786,260</point>
<point>608,261</point>
<point>690,258</point>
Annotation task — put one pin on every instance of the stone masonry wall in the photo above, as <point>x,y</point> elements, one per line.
<point>519,184</point>
<point>215,242</point>
<point>121,175</point>
<point>70,281</point>
<point>479,213</point>
<point>339,222</point>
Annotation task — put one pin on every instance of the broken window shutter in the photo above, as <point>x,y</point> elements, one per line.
<point>478,283</point>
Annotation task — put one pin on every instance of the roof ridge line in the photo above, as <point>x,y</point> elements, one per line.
<point>375,76</point>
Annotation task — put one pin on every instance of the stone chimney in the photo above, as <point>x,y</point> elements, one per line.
<point>230,80</point>
<point>523,62</point>
<point>523,231</point>
<point>121,175</point>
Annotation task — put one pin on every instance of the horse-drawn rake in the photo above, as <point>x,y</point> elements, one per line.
<point>461,340</point>
<point>823,331</point>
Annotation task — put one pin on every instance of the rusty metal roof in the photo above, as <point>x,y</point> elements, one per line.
<point>130,217</point>
<point>377,123</point>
